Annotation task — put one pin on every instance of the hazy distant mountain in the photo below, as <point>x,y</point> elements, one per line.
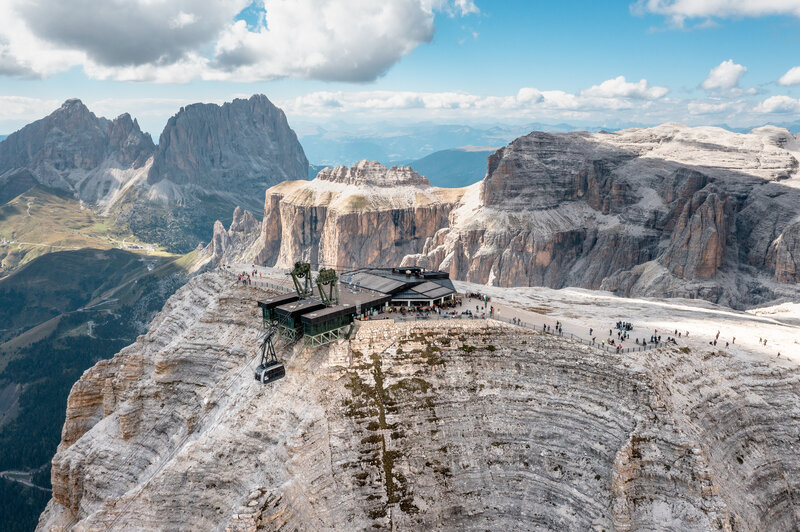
<point>3,137</point>
<point>454,168</point>
<point>389,144</point>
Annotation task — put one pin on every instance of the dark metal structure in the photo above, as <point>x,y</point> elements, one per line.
<point>268,306</point>
<point>289,325</point>
<point>328,278</point>
<point>269,370</point>
<point>301,275</point>
<point>324,326</point>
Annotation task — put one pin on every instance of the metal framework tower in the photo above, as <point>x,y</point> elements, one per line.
<point>301,275</point>
<point>327,278</point>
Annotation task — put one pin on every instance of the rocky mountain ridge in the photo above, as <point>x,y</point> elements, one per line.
<point>665,211</point>
<point>73,150</point>
<point>241,147</point>
<point>367,215</point>
<point>210,158</point>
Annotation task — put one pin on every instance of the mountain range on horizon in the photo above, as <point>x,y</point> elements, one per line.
<point>344,143</point>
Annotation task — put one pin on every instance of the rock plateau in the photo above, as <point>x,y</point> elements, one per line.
<point>664,211</point>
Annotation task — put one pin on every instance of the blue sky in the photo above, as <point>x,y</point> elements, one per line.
<point>451,61</point>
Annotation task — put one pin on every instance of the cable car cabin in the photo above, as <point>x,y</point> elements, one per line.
<point>268,307</point>
<point>289,324</point>
<point>270,372</point>
<point>324,326</point>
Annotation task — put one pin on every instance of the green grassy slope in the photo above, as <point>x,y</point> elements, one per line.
<point>42,220</point>
<point>61,313</point>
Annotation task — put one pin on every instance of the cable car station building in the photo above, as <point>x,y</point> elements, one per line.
<point>324,319</point>
<point>408,286</point>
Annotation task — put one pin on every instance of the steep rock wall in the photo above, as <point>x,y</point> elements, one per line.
<point>367,215</point>
<point>641,212</point>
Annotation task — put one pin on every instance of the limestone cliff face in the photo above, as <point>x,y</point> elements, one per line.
<point>240,148</point>
<point>785,251</point>
<point>418,426</point>
<point>225,244</point>
<point>672,210</point>
<point>367,215</point>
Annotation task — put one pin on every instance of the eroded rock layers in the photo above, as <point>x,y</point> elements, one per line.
<point>461,425</point>
<point>367,215</point>
<point>671,210</point>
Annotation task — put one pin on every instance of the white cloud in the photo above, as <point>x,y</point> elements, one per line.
<point>725,78</point>
<point>778,104</point>
<point>620,88</point>
<point>181,40</point>
<point>466,7</point>
<point>708,107</point>
<point>614,94</point>
<point>792,77</point>
<point>348,40</point>
<point>182,20</point>
<point>680,10</point>
<point>128,32</point>
<point>25,108</point>
<point>529,95</point>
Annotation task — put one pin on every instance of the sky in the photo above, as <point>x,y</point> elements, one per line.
<point>324,62</point>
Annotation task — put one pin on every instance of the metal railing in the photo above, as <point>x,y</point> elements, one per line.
<point>255,281</point>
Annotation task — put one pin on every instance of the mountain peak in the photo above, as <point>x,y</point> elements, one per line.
<point>73,103</point>
<point>373,173</point>
<point>246,143</point>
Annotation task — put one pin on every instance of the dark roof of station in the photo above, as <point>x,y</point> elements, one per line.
<point>362,298</point>
<point>278,300</point>
<point>325,314</point>
<point>299,307</point>
<point>401,283</point>
<point>426,290</point>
